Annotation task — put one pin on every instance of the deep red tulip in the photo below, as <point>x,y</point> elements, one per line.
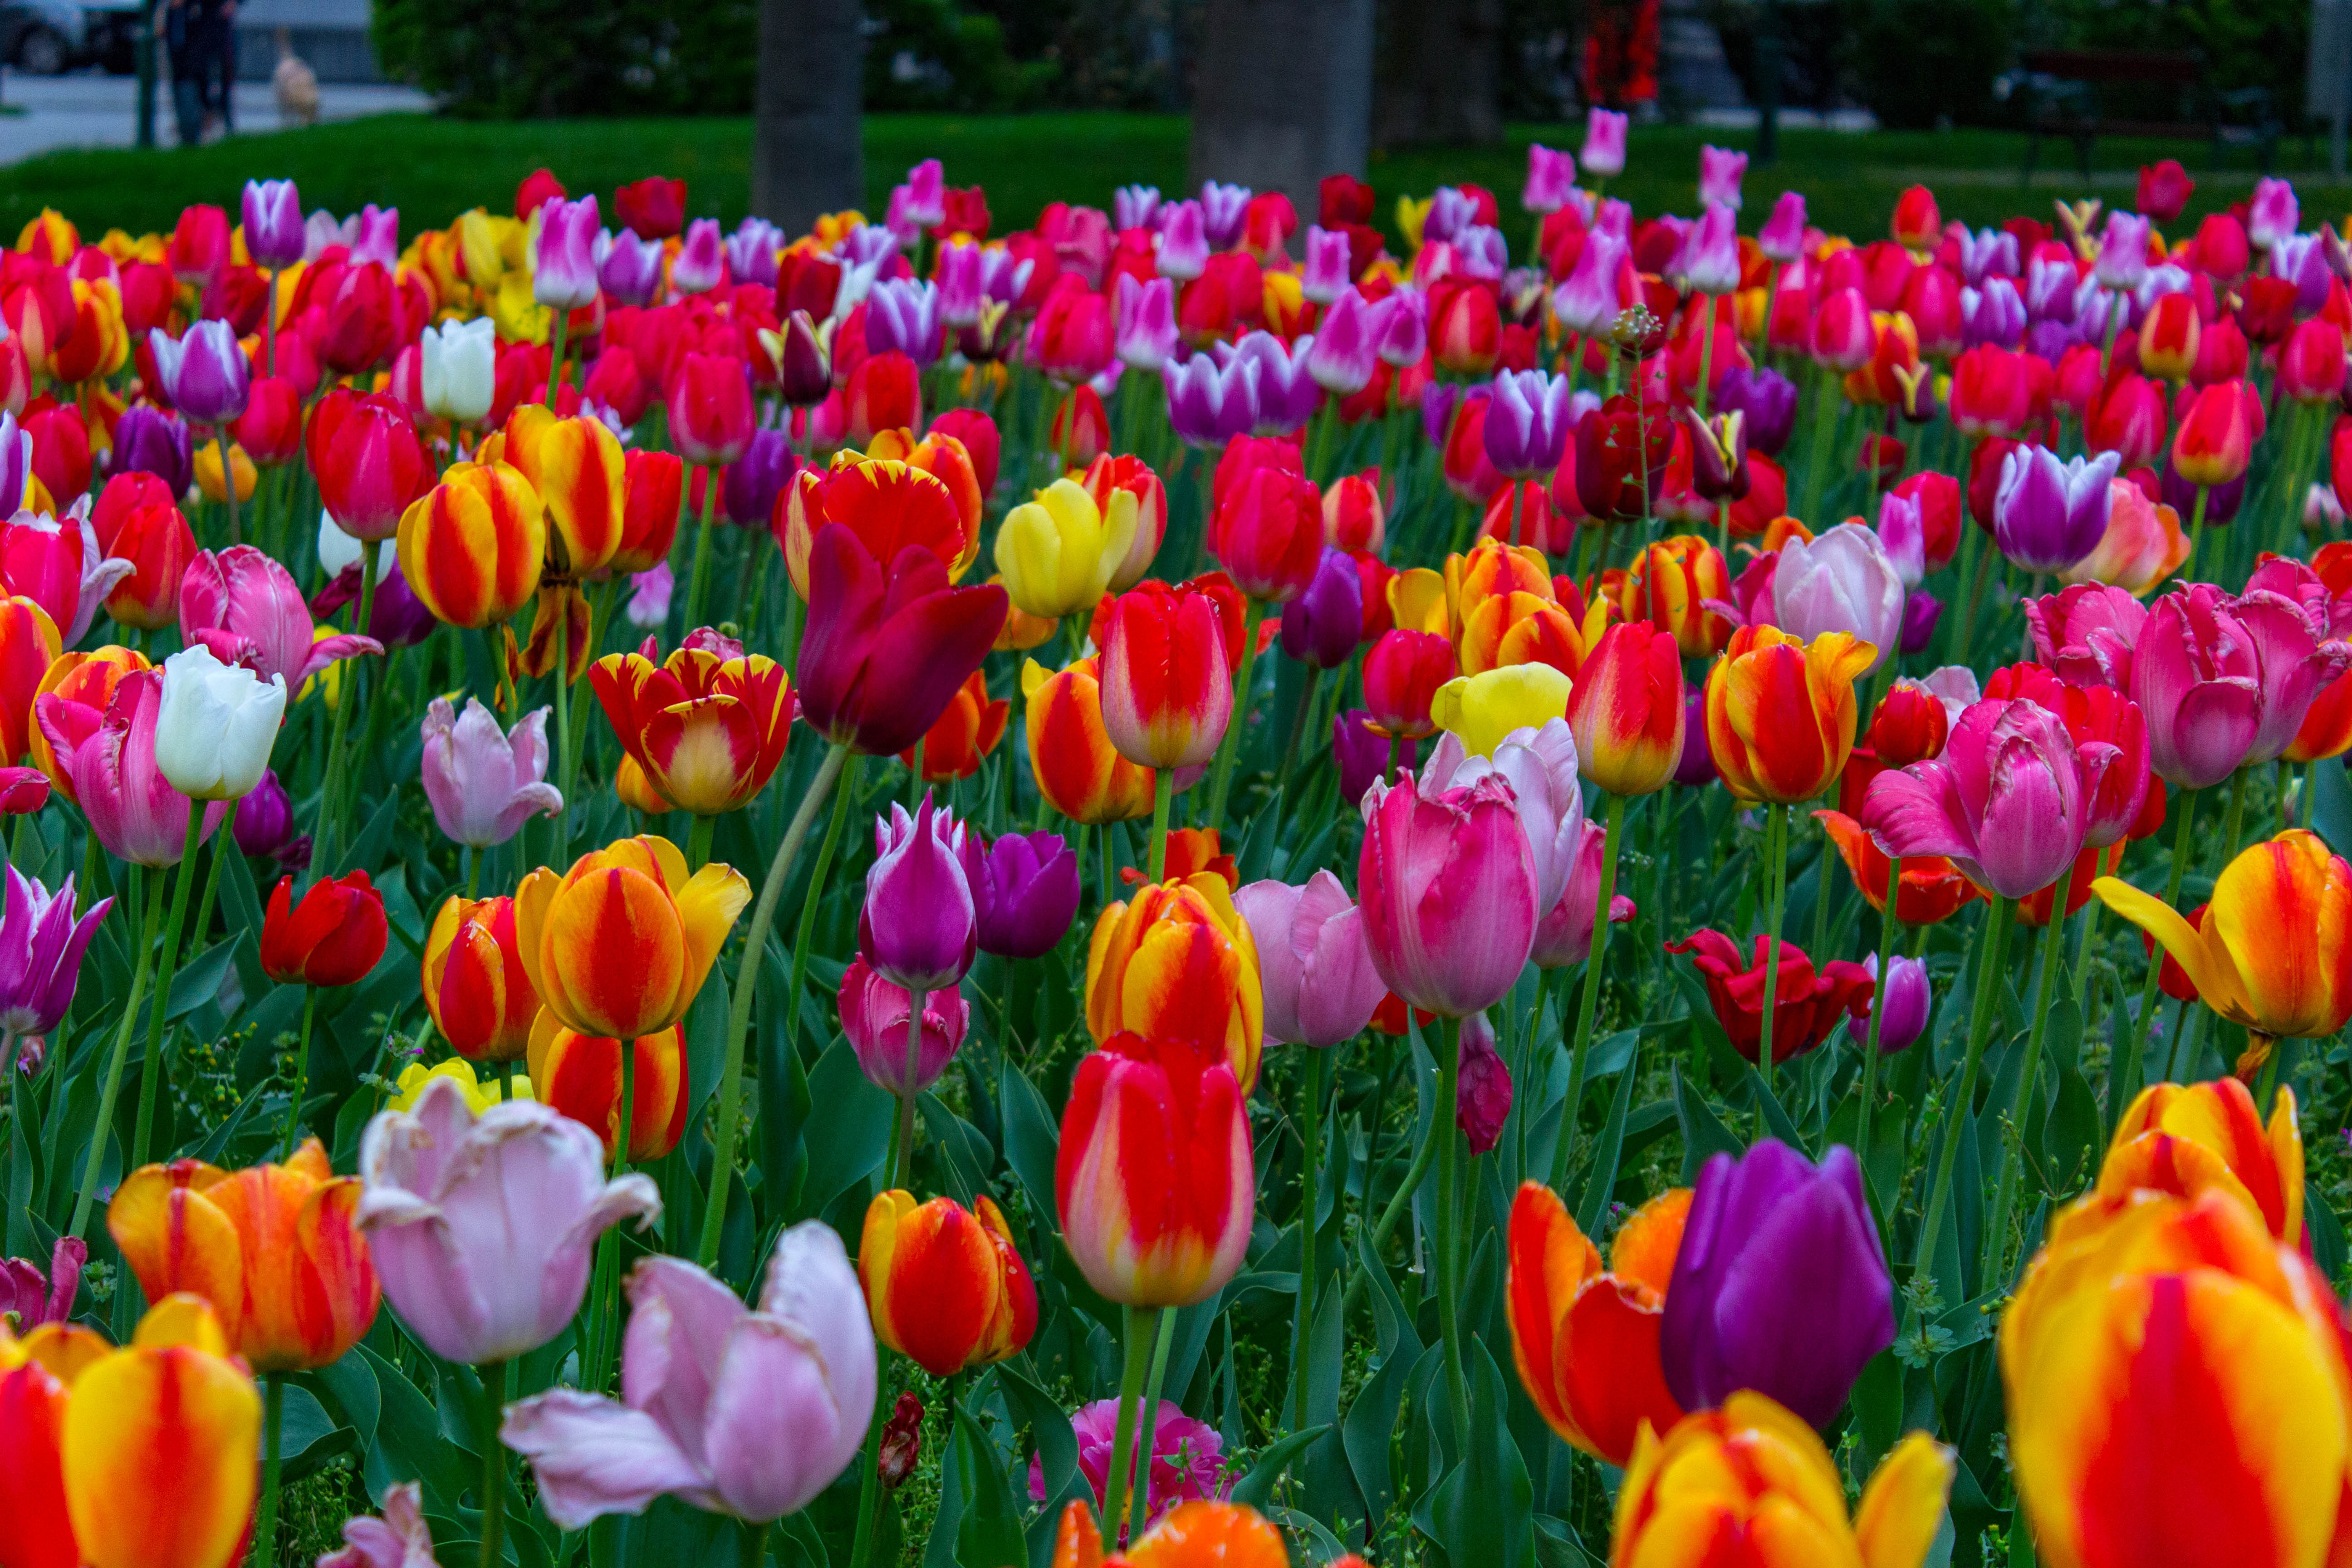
<point>887,650</point>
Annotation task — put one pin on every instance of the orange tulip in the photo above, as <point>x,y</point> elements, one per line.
<point>1626,711</point>
<point>472,546</point>
<point>85,680</point>
<point>476,985</point>
<point>619,945</point>
<point>967,731</point>
<point>1781,713</point>
<point>580,1075</point>
<point>2177,1390</point>
<point>1666,586</point>
<point>1932,889</point>
<point>944,1284</point>
<point>2187,1139</point>
<point>1178,961</point>
<point>635,790</point>
<point>28,647</point>
<point>707,729</point>
<point>889,506</point>
<point>1586,1343</point>
<point>1202,1533</point>
<point>576,465</point>
<point>272,1248</point>
<point>1078,771</point>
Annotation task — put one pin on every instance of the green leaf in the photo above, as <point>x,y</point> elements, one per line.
<point>1370,1423</point>
<point>1257,1487</point>
<point>1703,1133</point>
<point>409,1443</point>
<point>1601,1179</point>
<point>1031,1136</point>
<point>307,1435</point>
<point>2331,815</point>
<point>852,1139</point>
<point>706,1041</point>
<point>197,981</point>
<point>1485,1511</point>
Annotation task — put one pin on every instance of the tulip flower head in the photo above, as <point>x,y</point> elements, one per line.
<point>708,726</point>
<point>874,1019</point>
<point>919,928</point>
<point>110,760</point>
<point>334,936</point>
<point>41,948</point>
<point>888,646</point>
<point>619,945</point>
<point>1319,986</point>
<point>1179,960</point>
<point>1024,891</point>
<point>1448,883</point>
<point>214,725</point>
<point>2189,1138</point>
<point>476,984</point>
<point>1806,1001</point>
<point>1167,687</point>
<point>944,1284</point>
<point>482,782</point>
<point>1781,713</point>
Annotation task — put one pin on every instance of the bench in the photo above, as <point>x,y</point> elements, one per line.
<point>2064,91</point>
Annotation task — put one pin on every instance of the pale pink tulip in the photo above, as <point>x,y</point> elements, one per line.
<point>1320,985</point>
<point>1448,890</point>
<point>484,784</point>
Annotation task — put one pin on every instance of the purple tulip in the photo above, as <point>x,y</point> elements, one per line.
<point>376,236</point>
<point>1481,1101</point>
<point>1782,238</point>
<point>1988,253</point>
<point>629,268</point>
<point>1323,624</point>
<point>1183,253</point>
<point>2050,291</point>
<point>2123,252</point>
<point>2049,514</point>
<point>751,251</point>
<point>1767,398</point>
<point>1993,312</point>
<point>273,223</point>
<point>1209,404</point>
<point>918,928</point>
<point>563,260</point>
<point>1362,756</point>
<point>397,620</point>
<point>1909,998</point>
<point>1921,611</point>
<point>903,315</point>
<point>263,825</point>
<point>1287,396</point>
<point>204,372</point>
<point>756,478</point>
<point>41,946</point>
<point>1346,351</point>
<point>1437,403</point>
<point>1135,206</point>
<point>35,1298</point>
<point>1527,423</point>
<point>731,1410</point>
<point>1024,891</point>
<point>1224,210</point>
<point>150,441</point>
<point>1781,1285</point>
<point>1696,765</point>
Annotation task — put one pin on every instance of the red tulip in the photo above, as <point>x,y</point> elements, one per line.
<point>887,650</point>
<point>710,414</point>
<point>368,461</point>
<point>333,937</point>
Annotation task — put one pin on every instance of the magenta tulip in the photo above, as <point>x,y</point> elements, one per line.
<point>920,928</point>
<point>131,807</point>
<point>874,1018</point>
<point>245,607</point>
<point>2087,633</point>
<point>1564,937</point>
<point>2298,628</point>
<point>1448,888</point>
<point>2196,673</point>
<point>56,562</point>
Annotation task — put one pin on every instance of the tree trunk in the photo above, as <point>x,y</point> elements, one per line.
<point>1284,95</point>
<point>807,146</point>
<point>1439,73</point>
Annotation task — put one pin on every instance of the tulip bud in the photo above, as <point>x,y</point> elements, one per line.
<point>334,936</point>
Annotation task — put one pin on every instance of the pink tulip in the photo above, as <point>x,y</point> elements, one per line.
<point>111,759</point>
<point>2197,674</point>
<point>563,271</point>
<point>749,1414</point>
<point>2086,633</point>
<point>1540,767</point>
<point>2298,630</point>
<point>1448,888</point>
<point>483,784</point>
<point>482,1228</point>
<point>1564,937</point>
<point>58,564</point>
<point>1842,582</point>
<point>245,607</point>
<point>874,1018</point>
<point>2006,800</point>
<point>1483,1102</point>
<point>401,1538</point>
<point>1320,982</point>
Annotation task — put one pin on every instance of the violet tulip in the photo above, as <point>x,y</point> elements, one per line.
<point>1766,398</point>
<point>1362,754</point>
<point>1346,345</point>
<point>1320,987</point>
<point>149,440</point>
<point>1024,891</point>
<point>751,252</point>
<point>1909,997</point>
<point>1323,624</point>
<point>2049,514</point>
<point>628,269</point>
<point>1448,893</point>
<point>902,315</point>
<point>244,605</point>
<point>1842,581</point>
<point>563,253</point>
<point>918,928</point>
<point>41,946</point>
<point>1526,424</point>
<point>205,373</point>
<point>483,783</point>
<point>482,1228</point>
<point>1482,1099</point>
<point>34,1298</point>
<point>2196,675</point>
<point>1209,404</point>
<point>1696,765</point>
<point>264,825</point>
<point>1287,396</point>
<point>130,805</point>
<point>1781,1285</point>
<point>1564,937</point>
<point>753,482</point>
<point>1146,335</point>
<point>2007,801</point>
<point>272,210</point>
<point>2273,214</point>
<point>1224,210</point>
<point>873,1020</point>
<point>1603,153</point>
<point>2087,633</point>
<point>747,1412</point>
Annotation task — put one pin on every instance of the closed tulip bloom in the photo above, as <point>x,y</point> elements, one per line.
<point>483,784</point>
<point>157,1445</point>
<point>944,1284</point>
<point>272,212</point>
<point>273,1248</point>
<point>1078,770</point>
<point>1603,153</point>
<point>1626,711</point>
<point>333,936</point>
<point>2196,675</point>
<point>1321,988</point>
<point>1752,1479</point>
<point>475,982</point>
<point>710,414</point>
<point>1448,885</point>
<point>652,484</point>
<point>1323,626</point>
<point>2150,1318</point>
<point>1179,962</point>
<point>1024,891</point>
<point>1268,531</point>
<point>563,253</point>
<point>1526,424</point>
<point>1154,1178</point>
<point>620,945</point>
<point>873,1020</point>
<point>245,607</point>
<point>1166,685</point>
<point>2048,515</point>
<point>1564,936</point>
<point>1403,673</point>
<point>918,928</point>
<point>146,441</point>
<point>150,533</point>
<point>1586,1342</point>
<point>1806,1001</point>
<point>2190,1139</point>
<point>473,548</point>
<point>214,725</point>
<point>580,1075</point>
<point>732,1410</point>
<point>204,372</point>
<point>368,461</point>
<point>2298,635</point>
<point>1780,712</point>
<point>2215,439</point>
<point>2007,801</point>
<point>1346,351</point>
<point>459,365</point>
<point>885,650</point>
<point>2167,338</point>
<point>1058,551</point>
<point>709,730</point>
<point>1909,998</point>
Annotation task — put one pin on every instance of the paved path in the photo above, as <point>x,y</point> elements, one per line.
<point>94,111</point>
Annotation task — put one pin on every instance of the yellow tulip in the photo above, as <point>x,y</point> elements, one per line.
<point>1058,551</point>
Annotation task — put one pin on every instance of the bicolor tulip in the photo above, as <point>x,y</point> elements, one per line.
<point>965,733</point>
<point>1806,1001</point>
<point>273,1248</point>
<point>1321,988</point>
<point>1078,771</point>
<point>272,214</point>
<point>2048,514</point>
<point>1154,1178</point>
<point>111,759</point>
<point>1403,673</point>
<point>887,646</point>
<point>2142,546</point>
<point>580,1075</point>
<point>944,1285</point>
<point>1059,551</point>
<point>2190,1139</point>
<point>472,548</point>
<point>1166,679</point>
<point>1668,585</point>
<point>918,928</point>
<point>214,725</point>
<point>1107,477</point>
<point>620,945</point>
<point>476,984</point>
<point>1781,713</point>
<point>1024,891</point>
<point>887,505</point>
<point>1178,961</point>
<point>440,1190</point>
<point>2298,629</point>
<point>2274,949</point>
<point>1932,889</point>
<point>368,461</point>
<point>333,936</point>
<point>33,1296</point>
<point>708,726</point>
<point>482,782</point>
<point>751,1413</point>
<point>873,1020</point>
<point>2215,439</point>
<point>1448,885</point>
<point>30,646</point>
<point>82,686</point>
<point>576,467</point>
<point>1626,711</point>
<point>244,606</point>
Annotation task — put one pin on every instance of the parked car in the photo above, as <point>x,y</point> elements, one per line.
<point>42,38</point>
<point>111,35</point>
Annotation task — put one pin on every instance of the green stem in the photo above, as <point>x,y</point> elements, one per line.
<point>1223,778</point>
<point>1449,1083</point>
<point>265,1522</point>
<point>2196,536</point>
<point>902,1141</point>
<point>494,1468</point>
<point>1878,1007</point>
<point>1140,1322</point>
<point>1310,1134</point>
<point>1147,1432</point>
<point>2005,1193</point>
<point>739,1012</point>
<point>561,325</point>
<point>1707,356</point>
<point>701,550</point>
<point>562,722</point>
<point>1300,722</point>
<point>2127,1065</point>
<point>2234,822</point>
<point>1823,436</point>
<point>1163,787</point>
<point>1776,832</point>
<point>1590,1002</point>
<point>224,845</point>
<point>804,934</point>
<point>228,483</point>
<point>302,1069</point>
<point>698,842</point>
<point>1995,938</point>
<point>150,1080</point>
<point>330,790</point>
<point>92,1167</point>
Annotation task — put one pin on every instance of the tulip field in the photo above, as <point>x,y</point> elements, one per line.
<point>1550,885</point>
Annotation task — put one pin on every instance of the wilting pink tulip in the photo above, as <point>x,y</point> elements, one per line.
<point>2197,674</point>
<point>1448,888</point>
<point>401,1538</point>
<point>131,808</point>
<point>2086,633</point>
<point>482,1228</point>
<point>749,1414</point>
<point>243,607</point>
<point>2005,801</point>
<point>484,784</point>
<point>1842,582</point>
<point>2299,643</point>
<point>874,1018</point>
<point>1320,985</point>
<point>56,562</point>
<point>1482,1102</point>
<point>1564,937</point>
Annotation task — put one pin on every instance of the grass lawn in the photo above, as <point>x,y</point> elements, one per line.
<point>434,168</point>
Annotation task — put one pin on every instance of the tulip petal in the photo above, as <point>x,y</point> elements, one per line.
<point>592,1457</point>
<point>2216,982</point>
<point>1904,1503</point>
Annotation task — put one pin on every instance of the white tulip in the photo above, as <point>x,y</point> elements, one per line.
<point>215,726</point>
<point>460,371</point>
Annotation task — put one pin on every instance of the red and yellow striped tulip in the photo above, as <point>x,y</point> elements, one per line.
<point>652,489</point>
<point>619,945</point>
<point>28,647</point>
<point>272,1248</point>
<point>1585,1342</point>
<point>2275,950</point>
<point>1167,687</point>
<point>965,733</point>
<point>1205,1533</point>
<point>888,506</point>
<point>1750,1485</point>
<point>2187,1139</point>
<point>946,458</point>
<point>86,681</point>
<point>1667,586</point>
<point>577,467</point>
<point>708,730</point>
<point>2177,1390</point>
<point>1781,713</point>
<point>580,1075</point>
<point>36,1378</point>
<point>944,1284</point>
<point>1154,1177</point>
<point>162,1444</point>
<point>1626,711</point>
<point>1178,961</point>
<point>1078,770</point>
<point>476,984</point>
<point>472,546</point>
